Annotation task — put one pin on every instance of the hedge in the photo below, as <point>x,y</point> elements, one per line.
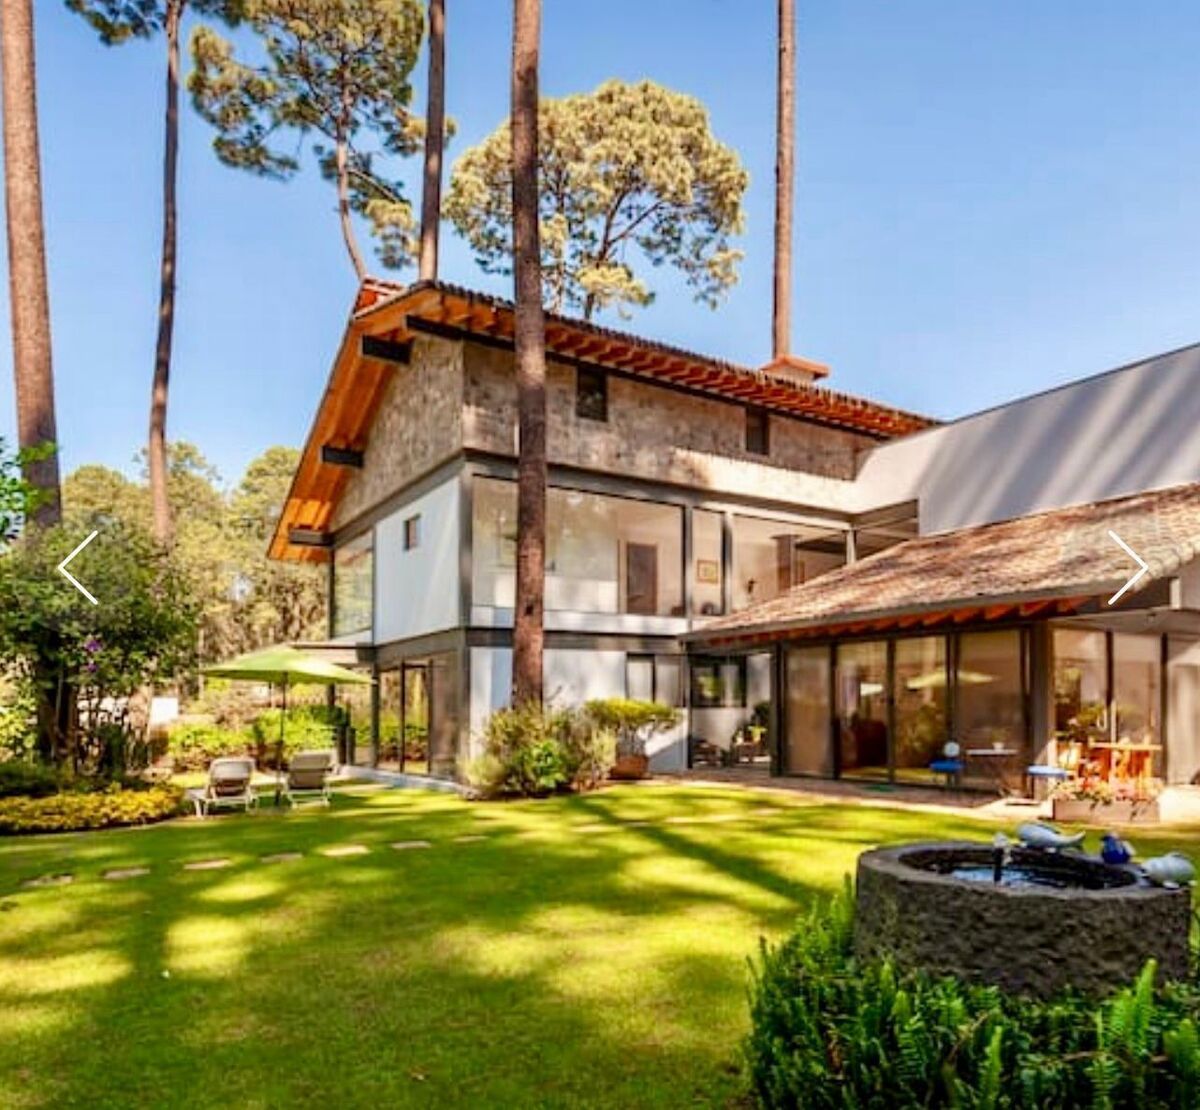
<point>99,809</point>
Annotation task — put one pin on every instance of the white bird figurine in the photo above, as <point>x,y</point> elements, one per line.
<point>1171,871</point>
<point>1035,834</point>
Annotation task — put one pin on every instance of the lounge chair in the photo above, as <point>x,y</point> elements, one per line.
<point>228,786</point>
<point>308,777</point>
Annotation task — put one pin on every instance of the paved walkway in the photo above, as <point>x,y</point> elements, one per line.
<point>1178,805</point>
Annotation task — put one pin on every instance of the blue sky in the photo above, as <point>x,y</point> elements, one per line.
<point>993,198</point>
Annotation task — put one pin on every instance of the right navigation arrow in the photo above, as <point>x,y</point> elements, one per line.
<point>1143,566</point>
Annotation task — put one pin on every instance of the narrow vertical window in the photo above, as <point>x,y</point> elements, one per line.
<point>591,394</point>
<point>758,436</point>
<point>412,533</point>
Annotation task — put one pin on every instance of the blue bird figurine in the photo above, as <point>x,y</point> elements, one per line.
<point>1114,850</point>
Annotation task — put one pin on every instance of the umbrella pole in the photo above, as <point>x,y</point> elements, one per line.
<point>279,745</point>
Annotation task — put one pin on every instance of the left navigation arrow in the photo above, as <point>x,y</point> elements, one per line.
<point>62,569</point>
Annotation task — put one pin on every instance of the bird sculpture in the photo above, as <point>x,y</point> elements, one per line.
<point>1171,871</point>
<point>1036,834</point>
<point>1114,850</point>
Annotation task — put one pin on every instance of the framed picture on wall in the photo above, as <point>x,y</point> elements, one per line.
<point>708,572</point>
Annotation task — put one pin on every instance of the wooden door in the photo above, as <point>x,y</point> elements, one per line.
<point>641,578</point>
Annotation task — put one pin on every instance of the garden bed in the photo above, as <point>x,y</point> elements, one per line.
<point>72,811</point>
<point>1090,811</point>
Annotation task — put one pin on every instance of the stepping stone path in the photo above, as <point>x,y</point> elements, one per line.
<point>282,857</point>
<point>340,850</point>
<point>406,845</point>
<point>119,873</point>
<point>469,838</point>
<point>207,864</point>
<point>49,880</point>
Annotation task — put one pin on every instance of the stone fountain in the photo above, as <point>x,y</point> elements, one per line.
<point>1029,920</point>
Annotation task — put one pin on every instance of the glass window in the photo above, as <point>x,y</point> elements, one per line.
<point>990,711</point>
<point>639,677</point>
<point>1183,687</point>
<point>1137,690</point>
<point>591,394</point>
<point>353,586</point>
<point>770,557</point>
<point>356,700</point>
<point>412,533</point>
<point>443,714</point>
<point>808,750</point>
<point>668,680</point>
<point>389,719</point>
<point>603,554</point>
<point>862,709</point>
<point>920,706</point>
<point>708,578</point>
<point>758,432</point>
<point>1080,687</point>
<point>719,683</point>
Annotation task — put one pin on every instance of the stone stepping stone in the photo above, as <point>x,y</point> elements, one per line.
<point>117,874</point>
<point>766,811</point>
<point>407,845</point>
<point>207,864</point>
<point>282,857</point>
<point>49,880</point>
<point>339,851</point>
<point>469,838</point>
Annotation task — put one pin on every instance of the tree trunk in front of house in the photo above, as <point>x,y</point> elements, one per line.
<point>528,632</point>
<point>435,141</point>
<point>29,298</point>
<point>157,448</point>
<point>785,171</point>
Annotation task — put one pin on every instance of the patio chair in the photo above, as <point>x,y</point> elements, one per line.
<point>228,786</point>
<point>950,763</point>
<point>308,777</point>
<point>1053,773</point>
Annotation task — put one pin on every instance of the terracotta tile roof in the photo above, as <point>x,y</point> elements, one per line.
<point>1060,561</point>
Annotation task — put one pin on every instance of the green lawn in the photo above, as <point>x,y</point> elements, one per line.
<point>573,957</point>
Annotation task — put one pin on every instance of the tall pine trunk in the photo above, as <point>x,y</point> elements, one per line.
<point>435,140</point>
<point>528,632</point>
<point>785,171</point>
<point>157,448</point>
<point>29,297</point>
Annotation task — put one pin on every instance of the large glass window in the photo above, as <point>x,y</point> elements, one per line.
<point>990,709</point>
<point>389,720</point>
<point>654,678</point>
<point>1137,703</point>
<point>862,709</point>
<point>921,680</point>
<point>1183,687</point>
<point>353,586</point>
<point>603,554</point>
<point>708,577</point>
<point>444,703</point>
<point>1080,688</point>
<point>808,749</point>
<point>718,683</point>
<point>770,557</point>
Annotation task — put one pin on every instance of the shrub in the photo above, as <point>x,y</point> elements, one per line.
<point>632,722</point>
<point>589,748</point>
<point>192,747</point>
<point>19,777</point>
<point>307,726</point>
<point>115,805</point>
<point>521,754</point>
<point>831,1031</point>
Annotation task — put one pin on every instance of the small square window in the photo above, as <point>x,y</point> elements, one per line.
<point>758,434</point>
<point>591,394</point>
<point>412,533</point>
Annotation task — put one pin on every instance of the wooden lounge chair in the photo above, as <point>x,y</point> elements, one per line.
<point>228,786</point>
<point>308,777</point>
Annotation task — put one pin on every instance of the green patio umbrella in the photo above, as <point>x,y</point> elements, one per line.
<point>284,666</point>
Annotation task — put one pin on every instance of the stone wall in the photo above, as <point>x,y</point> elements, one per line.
<point>419,425</point>
<point>658,433</point>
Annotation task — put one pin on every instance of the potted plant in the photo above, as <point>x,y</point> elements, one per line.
<point>633,723</point>
<point>1091,799</point>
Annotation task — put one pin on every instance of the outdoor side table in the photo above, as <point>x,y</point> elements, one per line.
<point>994,762</point>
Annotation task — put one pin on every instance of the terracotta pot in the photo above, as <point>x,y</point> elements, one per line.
<point>1081,811</point>
<point>630,767</point>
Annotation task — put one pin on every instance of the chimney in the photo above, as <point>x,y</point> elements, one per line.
<point>801,371</point>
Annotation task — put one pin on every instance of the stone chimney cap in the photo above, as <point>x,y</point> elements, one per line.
<point>796,368</point>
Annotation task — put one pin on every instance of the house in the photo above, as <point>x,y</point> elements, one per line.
<point>823,583</point>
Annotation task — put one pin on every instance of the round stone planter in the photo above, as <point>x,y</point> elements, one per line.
<point>630,767</point>
<point>1027,939</point>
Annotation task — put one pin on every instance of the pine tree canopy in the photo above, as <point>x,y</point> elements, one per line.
<point>630,175</point>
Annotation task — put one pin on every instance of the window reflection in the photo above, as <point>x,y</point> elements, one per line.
<point>862,709</point>
<point>353,585</point>
<point>920,683</point>
<point>770,557</point>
